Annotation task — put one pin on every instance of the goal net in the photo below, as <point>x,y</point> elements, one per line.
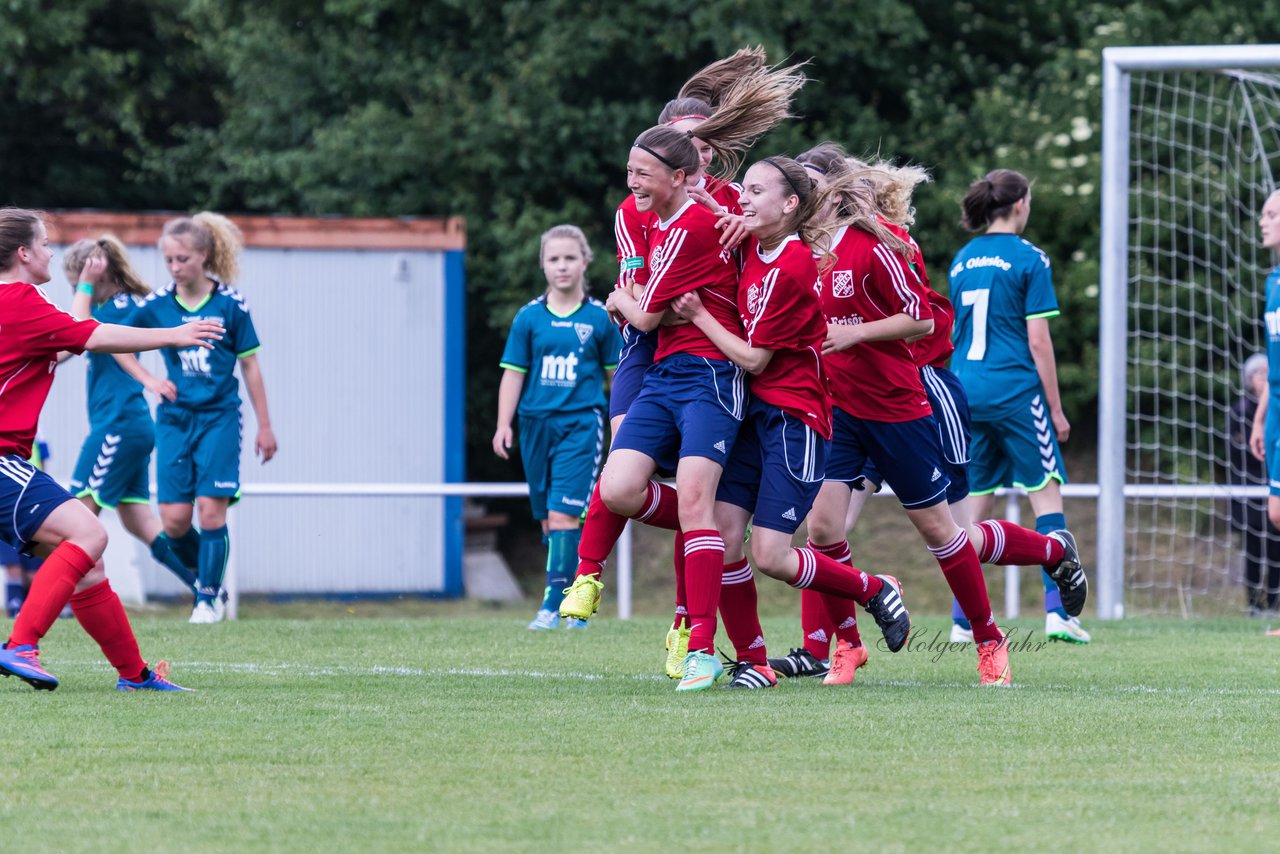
<point>1201,155</point>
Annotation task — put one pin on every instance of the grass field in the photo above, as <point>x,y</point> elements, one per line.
<point>471,733</point>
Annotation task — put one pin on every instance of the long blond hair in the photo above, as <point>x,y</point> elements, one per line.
<point>120,272</point>
<point>702,93</point>
<point>854,185</point>
<point>215,235</point>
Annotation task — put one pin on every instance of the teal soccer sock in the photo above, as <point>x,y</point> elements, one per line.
<point>562,562</point>
<point>215,545</point>
<point>1047,524</point>
<point>164,554</point>
<point>187,547</point>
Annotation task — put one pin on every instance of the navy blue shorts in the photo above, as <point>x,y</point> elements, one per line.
<point>776,468</point>
<point>636,357</point>
<point>689,406</point>
<point>907,454</point>
<point>561,456</point>
<point>27,497</point>
<point>197,454</point>
<point>113,466</point>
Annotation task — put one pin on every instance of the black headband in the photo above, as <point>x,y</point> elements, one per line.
<point>815,167</point>
<point>664,160</point>
<point>774,164</point>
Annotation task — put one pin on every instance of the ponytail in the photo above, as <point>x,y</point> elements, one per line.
<point>216,236</point>
<point>992,197</point>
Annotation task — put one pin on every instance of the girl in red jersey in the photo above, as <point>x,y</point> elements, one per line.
<point>696,101</point>
<point>693,398</point>
<point>777,465</point>
<point>34,510</point>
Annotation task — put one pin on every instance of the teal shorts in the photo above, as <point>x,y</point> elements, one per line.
<point>197,454</point>
<point>1020,450</point>
<point>561,456</point>
<point>112,466</point>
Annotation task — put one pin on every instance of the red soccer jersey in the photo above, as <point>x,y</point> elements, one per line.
<point>685,255</point>
<point>631,233</point>
<point>935,348</point>
<point>727,193</point>
<point>875,380</point>
<point>32,331</point>
<point>782,311</point>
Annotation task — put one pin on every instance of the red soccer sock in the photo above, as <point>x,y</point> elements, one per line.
<point>101,615</point>
<point>963,572</point>
<point>703,571</point>
<point>661,507</point>
<point>840,620</point>
<point>52,588</point>
<point>682,599</point>
<point>816,624</point>
<point>739,612</point>
<point>1007,544</point>
<point>600,532</point>
<point>823,574</point>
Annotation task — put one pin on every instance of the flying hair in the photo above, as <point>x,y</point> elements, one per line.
<point>702,93</point>
<point>894,187</point>
<point>752,106</point>
<point>854,185</point>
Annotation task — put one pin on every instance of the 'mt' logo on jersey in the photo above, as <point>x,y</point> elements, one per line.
<point>560,370</point>
<point>195,361</point>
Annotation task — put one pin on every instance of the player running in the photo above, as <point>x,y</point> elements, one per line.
<point>35,512</point>
<point>198,432</point>
<point>777,465</point>
<point>1002,289</point>
<point>570,345</point>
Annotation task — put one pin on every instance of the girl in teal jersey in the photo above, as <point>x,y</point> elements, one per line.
<point>1264,440</point>
<point>565,346</point>
<point>114,463</point>
<point>198,432</point>
<point>1002,291</point>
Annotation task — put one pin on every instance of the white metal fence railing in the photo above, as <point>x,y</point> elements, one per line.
<point>624,554</point>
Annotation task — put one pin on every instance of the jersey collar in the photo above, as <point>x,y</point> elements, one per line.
<point>664,225</point>
<point>770,257</point>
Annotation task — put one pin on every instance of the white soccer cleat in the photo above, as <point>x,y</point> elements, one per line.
<point>959,634</point>
<point>1069,630</point>
<point>204,614</point>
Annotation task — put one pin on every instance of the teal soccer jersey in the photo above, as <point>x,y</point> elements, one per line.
<point>115,398</point>
<point>998,282</point>
<point>205,379</point>
<point>565,357</point>
<point>1271,320</point>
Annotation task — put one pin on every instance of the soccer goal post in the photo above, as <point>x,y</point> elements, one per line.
<point>1191,149</point>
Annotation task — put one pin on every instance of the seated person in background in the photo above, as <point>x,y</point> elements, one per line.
<point>1258,537</point>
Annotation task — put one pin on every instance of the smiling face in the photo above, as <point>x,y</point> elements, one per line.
<point>183,261</point>
<point>1270,222</point>
<point>564,264</point>
<point>767,202</point>
<point>651,182</point>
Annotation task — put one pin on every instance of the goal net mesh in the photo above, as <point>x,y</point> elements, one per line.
<point>1204,154</point>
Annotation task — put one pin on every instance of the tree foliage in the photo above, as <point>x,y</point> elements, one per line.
<point>519,114</point>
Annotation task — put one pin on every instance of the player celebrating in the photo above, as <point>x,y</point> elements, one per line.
<point>112,470</point>
<point>35,512</point>
<point>1264,439</point>
<point>776,467</point>
<point>569,340</point>
<point>198,432</point>
<point>1002,290</point>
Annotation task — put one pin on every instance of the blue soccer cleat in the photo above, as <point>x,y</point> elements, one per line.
<point>545,621</point>
<point>574,623</point>
<point>157,681</point>
<point>24,662</point>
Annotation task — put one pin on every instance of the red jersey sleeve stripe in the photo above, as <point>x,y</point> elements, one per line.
<point>910,300</point>
<point>626,248</point>
<point>670,249</point>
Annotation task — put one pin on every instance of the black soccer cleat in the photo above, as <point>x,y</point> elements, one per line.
<point>1069,575</point>
<point>798,662</point>
<point>890,613</point>
<point>747,674</point>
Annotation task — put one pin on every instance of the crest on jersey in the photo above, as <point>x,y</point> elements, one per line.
<point>655,257</point>
<point>584,332</point>
<point>753,299</point>
<point>842,284</point>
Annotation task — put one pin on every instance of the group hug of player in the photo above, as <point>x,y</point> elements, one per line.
<point>204,330</point>
<point>782,353</point>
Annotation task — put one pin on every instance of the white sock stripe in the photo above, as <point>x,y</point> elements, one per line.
<point>703,544</point>
<point>655,498</point>
<point>994,535</point>
<point>952,548</point>
<point>808,569</point>
<point>738,576</point>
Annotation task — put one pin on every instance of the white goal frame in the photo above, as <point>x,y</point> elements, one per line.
<point>1118,64</point>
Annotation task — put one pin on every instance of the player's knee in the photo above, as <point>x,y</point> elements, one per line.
<point>621,497</point>
<point>90,537</point>
<point>93,577</point>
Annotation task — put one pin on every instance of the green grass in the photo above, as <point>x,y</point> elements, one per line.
<point>471,733</point>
